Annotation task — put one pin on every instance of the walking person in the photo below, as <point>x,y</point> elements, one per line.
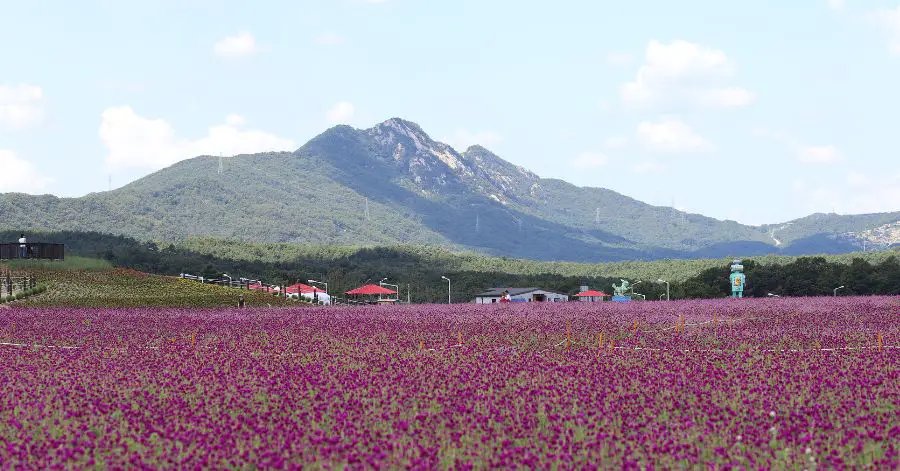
<point>23,246</point>
<point>241,301</point>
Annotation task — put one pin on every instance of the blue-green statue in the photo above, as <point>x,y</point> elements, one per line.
<point>738,279</point>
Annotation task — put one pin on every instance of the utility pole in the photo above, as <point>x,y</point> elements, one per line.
<point>367,209</point>
<point>220,163</point>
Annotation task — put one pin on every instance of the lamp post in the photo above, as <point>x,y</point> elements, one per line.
<point>396,287</point>
<point>635,284</point>
<point>667,287</point>
<point>836,290</point>
<point>319,282</point>
<point>448,288</point>
<point>661,295</point>
<point>229,279</point>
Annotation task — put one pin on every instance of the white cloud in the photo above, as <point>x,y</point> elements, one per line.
<point>134,141</point>
<point>20,106</point>
<point>329,39</point>
<point>836,5</point>
<point>648,167</point>
<point>862,193</point>
<point>19,175</point>
<point>615,142</point>
<point>462,139</point>
<point>671,135</point>
<point>857,179</point>
<point>235,119</point>
<point>619,59</point>
<point>240,45</point>
<point>805,153</point>
<point>340,113</point>
<point>682,73</point>
<point>819,154</point>
<point>589,160</point>
<point>889,21</point>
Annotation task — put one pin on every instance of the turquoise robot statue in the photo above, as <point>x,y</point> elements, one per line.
<point>738,279</point>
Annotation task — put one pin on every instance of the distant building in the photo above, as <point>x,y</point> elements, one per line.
<point>520,295</point>
<point>589,295</point>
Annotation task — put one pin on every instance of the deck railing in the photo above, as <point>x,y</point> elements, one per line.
<point>37,251</point>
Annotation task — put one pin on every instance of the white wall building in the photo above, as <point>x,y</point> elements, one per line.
<point>521,295</point>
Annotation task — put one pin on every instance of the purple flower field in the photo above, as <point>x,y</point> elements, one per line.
<point>775,383</point>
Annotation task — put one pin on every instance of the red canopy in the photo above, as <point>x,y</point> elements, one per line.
<point>592,294</point>
<point>371,289</point>
<point>301,288</point>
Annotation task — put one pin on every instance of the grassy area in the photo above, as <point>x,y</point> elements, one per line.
<point>71,263</point>
<point>87,283</point>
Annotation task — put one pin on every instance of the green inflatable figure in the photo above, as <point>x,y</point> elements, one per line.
<point>738,279</point>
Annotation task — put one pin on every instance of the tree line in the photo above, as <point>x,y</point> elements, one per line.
<point>418,272</point>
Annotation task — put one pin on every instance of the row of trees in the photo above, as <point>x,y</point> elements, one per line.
<point>419,273</point>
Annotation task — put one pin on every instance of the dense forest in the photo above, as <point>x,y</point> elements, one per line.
<point>418,270</point>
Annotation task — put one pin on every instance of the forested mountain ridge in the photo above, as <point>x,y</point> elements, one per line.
<point>392,184</point>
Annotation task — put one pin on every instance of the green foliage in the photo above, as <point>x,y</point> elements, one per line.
<point>418,269</point>
<point>805,276</point>
<point>319,195</point>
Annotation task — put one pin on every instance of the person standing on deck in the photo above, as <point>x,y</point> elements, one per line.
<point>23,244</point>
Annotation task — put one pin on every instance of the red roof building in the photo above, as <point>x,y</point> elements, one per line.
<point>370,290</point>
<point>374,294</point>
<point>591,295</point>
<point>302,289</point>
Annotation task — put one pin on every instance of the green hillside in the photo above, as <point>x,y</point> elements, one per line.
<point>413,257</point>
<point>392,184</point>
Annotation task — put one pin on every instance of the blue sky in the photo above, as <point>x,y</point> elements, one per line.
<point>758,112</point>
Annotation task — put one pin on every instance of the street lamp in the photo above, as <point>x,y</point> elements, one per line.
<point>836,289</point>
<point>448,288</point>
<point>667,287</point>
<point>661,295</point>
<point>635,284</point>
<point>396,287</point>
<point>319,282</point>
<point>229,279</point>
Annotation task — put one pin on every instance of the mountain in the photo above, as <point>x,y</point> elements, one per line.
<point>393,184</point>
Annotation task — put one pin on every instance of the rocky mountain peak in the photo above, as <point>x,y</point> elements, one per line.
<point>404,142</point>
